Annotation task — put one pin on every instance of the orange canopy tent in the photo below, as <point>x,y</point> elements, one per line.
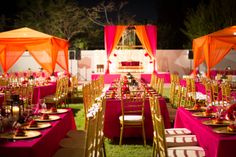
<point>213,47</point>
<point>47,50</point>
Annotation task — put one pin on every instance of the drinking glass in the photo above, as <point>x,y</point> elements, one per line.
<point>43,105</point>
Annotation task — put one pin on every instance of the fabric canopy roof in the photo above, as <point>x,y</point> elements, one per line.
<point>213,47</point>
<point>147,35</point>
<point>47,50</point>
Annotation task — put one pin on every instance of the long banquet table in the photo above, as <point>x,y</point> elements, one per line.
<point>39,92</point>
<point>112,124</point>
<point>45,145</point>
<point>108,78</point>
<point>42,91</point>
<point>214,144</point>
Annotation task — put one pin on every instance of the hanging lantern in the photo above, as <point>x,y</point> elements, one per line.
<point>115,55</point>
<point>146,54</point>
<point>109,62</point>
<point>150,62</point>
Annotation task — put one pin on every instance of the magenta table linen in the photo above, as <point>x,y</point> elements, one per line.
<point>214,144</point>
<point>45,145</point>
<point>112,124</point>
<point>108,78</point>
<point>42,91</point>
<point>147,77</point>
<point>1,99</point>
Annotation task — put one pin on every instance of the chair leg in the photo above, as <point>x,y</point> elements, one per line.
<point>144,135</point>
<point>103,148</point>
<point>121,134</point>
<point>153,149</point>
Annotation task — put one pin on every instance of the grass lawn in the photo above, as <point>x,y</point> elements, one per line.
<point>113,149</point>
<point>133,148</point>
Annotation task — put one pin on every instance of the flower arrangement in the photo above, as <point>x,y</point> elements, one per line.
<point>231,112</point>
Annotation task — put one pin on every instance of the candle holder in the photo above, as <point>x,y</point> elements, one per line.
<point>17,107</point>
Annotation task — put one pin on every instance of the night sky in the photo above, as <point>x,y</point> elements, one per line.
<point>157,12</point>
<point>145,10</point>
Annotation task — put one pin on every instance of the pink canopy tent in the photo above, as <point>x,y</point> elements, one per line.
<point>147,35</point>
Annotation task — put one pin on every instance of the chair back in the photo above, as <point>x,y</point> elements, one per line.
<point>159,124</point>
<point>215,91</point>
<point>91,134</point>
<point>133,103</point>
<point>153,80</point>
<point>100,126</point>
<point>226,93</point>
<point>208,92</point>
<point>155,109</point>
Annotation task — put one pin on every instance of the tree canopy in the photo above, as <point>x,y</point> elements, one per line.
<point>208,18</point>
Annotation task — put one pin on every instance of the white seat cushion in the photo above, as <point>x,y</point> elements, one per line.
<point>181,140</point>
<point>177,131</point>
<point>131,118</point>
<point>187,151</point>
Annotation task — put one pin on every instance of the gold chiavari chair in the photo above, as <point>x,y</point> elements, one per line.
<point>155,109</point>
<point>87,148</point>
<point>161,86</point>
<point>156,84</point>
<point>208,89</point>
<point>55,99</point>
<point>65,90</point>
<point>165,151</point>
<point>191,92</point>
<point>226,93</point>
<point>132,108</point>
<point>153,80</point>
<point>87,99</point>
<point>77,138</point>
<point>75,90</point>
<point>4,81</point>
<point>26,94</point>
<point>100,145</point>
<point>170,132</point>
<point>172,92</point>
<point>215,92</point>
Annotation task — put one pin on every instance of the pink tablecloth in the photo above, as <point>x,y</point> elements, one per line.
<point>42,91</point>
<point>214,144</point>
<point>199,86</point>
<point>45,145</point>
<point>1,99</point>
<point>112,124</point>
<point>147,77</point>
<point>108,78</point>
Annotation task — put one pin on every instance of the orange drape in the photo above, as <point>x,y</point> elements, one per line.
<point>119,31</point>
<point>47,50</point>
<point>198,51</point>
<point>213,47</point>
<point>217,51</point>
<point>9,55</point>
<point>142,35</point>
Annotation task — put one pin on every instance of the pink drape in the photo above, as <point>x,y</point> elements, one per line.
<point>112,36</point>
<point>152,36</point>
<point>146,34</point>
